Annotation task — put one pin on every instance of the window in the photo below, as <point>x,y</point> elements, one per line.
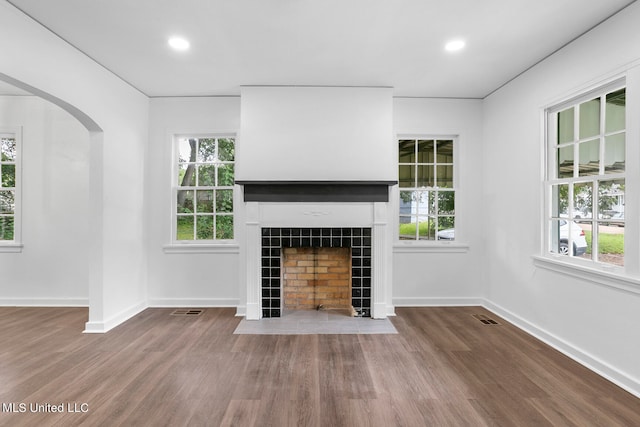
<point>427,189</point>
<point>586,177</point>
<point>9,185</point>
<point>203,192</point>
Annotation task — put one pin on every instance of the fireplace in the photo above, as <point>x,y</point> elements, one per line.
<point>275,240</point>
<point>280,215</point>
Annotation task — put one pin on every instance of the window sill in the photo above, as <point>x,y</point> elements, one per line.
<point>430,247</point>
<point>202,248</point>
<point>11,247</point>
<point>606,276</point>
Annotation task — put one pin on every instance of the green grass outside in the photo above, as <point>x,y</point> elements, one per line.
<point>607,243</point>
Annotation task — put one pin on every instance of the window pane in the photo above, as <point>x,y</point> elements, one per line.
<point>425,151</point>
<point>615,111</point>
<point>408,205</point>
<point>611,243</point>
<point>589,158</point>
<point>406,177</point>
<point>186,150</point>
<point>565,162</point>
<point>226,150</point>
<point>225,175</point>
<point>8,150</point>
<point>565,125</point>
<point>205,201</point>
<point>446,203</point>
<point>185,201</point>
<point>582,200</point>
<point>430,197</point>
<point>590,118</point>
<point>425,176</point>
<point>224,227</point>
<point>614,153</point>
<point>206,175</point>
<point>7,202</point>
<point>8,176</point>
<point>582,239</point>
<point>444,150</point>
<point>206,149</point>
<point>6,227</point>
<point>204,225</point>
<point>610,199</point>
<point>407,230</point>
<point>186,175</point>
<point>444,176</point>
<point>184,229</point>
<point>224,200</point>
<point>559,200</point>
<point>445,222</point>
<point>407,151</point>
<point>426,228</point>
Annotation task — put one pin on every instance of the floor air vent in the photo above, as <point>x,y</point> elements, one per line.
<point>186,312</point>
<point>485,319</point>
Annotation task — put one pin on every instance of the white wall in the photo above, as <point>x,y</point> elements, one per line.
<point>117,115</point>
<point>449,274</point>
<point>53,267</point>
<point>186,279</point>
<point>592,322</point>
<point>316,134</point>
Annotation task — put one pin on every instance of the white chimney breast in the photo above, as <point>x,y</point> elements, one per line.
<point>316,134</point>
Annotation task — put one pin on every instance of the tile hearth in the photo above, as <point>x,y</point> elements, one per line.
<point>306,322</point>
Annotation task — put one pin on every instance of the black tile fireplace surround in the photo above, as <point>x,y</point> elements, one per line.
<point>274,239</point>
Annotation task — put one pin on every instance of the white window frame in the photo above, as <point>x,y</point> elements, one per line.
<point>16,244</point>
<point>417,245</point>
<point>199,245</point>
<point>550,179</point>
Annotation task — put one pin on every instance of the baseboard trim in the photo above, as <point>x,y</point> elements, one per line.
<point>593,363</point>
<point>115,320</point>
<point>436,302</point>
<point>44,302</point>
<point>192,302</point>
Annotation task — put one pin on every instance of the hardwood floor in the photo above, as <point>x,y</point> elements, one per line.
<point>443,368</point>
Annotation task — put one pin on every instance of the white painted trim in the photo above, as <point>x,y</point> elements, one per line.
<point>241,311</point>
<point>193,302</point>
<point>44,302</point>
<point>409,247</point>
<point>194,248</point>
<point>593,275</point>
<point>621,379</point>
<point>6,248</point>
<point>115,320</point>
<point>436,301</point>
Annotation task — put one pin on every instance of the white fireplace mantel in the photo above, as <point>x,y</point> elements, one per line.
<point>295,214</point>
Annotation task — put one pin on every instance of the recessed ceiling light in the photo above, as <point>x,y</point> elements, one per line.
<point>179,43</point>
<point>454,45</point>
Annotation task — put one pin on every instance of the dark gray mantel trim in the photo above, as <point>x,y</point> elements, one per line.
<point>316,191</point>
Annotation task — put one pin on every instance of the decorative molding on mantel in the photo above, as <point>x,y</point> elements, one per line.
<point>316,191</point>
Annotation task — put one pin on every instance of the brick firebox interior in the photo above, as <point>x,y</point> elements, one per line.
<point>316,277</point>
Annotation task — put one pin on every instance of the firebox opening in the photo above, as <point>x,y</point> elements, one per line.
<point>317,278</point>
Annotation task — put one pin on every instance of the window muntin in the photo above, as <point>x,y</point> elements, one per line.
<point>203,191</point>
<point>9,159</point>
<point>427,190</point>
<point>586,184</point>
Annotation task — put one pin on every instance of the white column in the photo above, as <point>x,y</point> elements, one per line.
<point>381,260</point>
<point>253,247</point>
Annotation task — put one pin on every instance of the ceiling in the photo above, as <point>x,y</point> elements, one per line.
<point>393,43</point>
